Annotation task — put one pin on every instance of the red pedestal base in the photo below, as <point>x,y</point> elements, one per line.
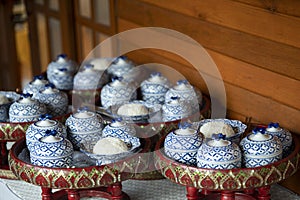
<point>113,192</point>
<point>262,193</point>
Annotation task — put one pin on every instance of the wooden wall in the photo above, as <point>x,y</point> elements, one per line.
<point>254,43</point>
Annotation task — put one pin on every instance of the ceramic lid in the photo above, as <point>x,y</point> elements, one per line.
<point>121,61</point>
<point>157,77</point>
<point>62,58</point>
<point>185,129</point>
<point>273,127</point>
<point>50,89</point>
<point>258,135</point>
<point>26,99</point>
<point>183,85</point>
<point>117,123</point>
<point>83,113</point>
<point>38,80</point>
<point>117,82</point>
<point>218,140</point>
<point>50,137</point>
<point>88,68</point>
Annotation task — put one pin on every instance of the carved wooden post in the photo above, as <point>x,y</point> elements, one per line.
<point>227,195</point>
<point>192,193</point>
<point>264,193</point>
<point>46,193</point>
<point>116,191</point>
<point>73,195</point>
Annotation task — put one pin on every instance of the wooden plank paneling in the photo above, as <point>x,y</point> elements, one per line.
<point>270,55</point>
<point>275,86</point>
<point>244,102</point>
<point>240,16</point>
<point>289,7</point>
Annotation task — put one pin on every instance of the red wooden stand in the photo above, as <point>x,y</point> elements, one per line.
<point>112,192</point>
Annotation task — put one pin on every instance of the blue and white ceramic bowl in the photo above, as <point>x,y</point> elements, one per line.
<point>133,145</point>
<point>155,88</point>
<point>119,129</point>
<point>6,99</point>
<point>259,148</point>
<point>117,92</point>
<point>52,151</point>
<point>61,62</point>
<point>152,114</point>
<point>39,129</point>
<point>26,109</point>
<point>176,109</point>
<point>62,79</point>
<point>182,144</point>
<point>56,101</point>
<point>237,126</point>
<point>84,126</point>
<point>186,92</point>
<point>219,153</point>
<point>283,135</point>
<point>89,78</point>
<point>38,84</point>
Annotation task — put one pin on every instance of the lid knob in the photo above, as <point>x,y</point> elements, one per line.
<point>45,117</point>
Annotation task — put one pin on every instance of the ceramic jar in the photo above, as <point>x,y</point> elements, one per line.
<point>260,148</point>
<point>89,78</point>
<point>61,61</point>
<point>155,88</point>
<point>186,92</point>
<point>118,128</point>
<point>182,144</point>
<point>175,109</point>
<point>219,153</point>
<point>38,84</point>
<point>6,99</point>
<point>62,79</point>
<point>237,128</point>
<point>117,92</point>
<point>55,100</point>
<point>38,130</point>
<point>84,126</point>
<point>283,135</point>
<point>123,67</point>
<point>26,109</point>
<point>52,151</point>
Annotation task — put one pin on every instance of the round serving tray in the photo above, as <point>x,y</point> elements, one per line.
<point>97,181</point>
<point>73,178</point>
<point>241,179</point>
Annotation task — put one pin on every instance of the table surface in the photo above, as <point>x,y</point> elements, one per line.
<point>136,189</point>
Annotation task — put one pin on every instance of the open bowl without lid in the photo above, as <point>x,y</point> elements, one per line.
<point>132,143</point>
<point>237,126</point>
<point>154,112</point>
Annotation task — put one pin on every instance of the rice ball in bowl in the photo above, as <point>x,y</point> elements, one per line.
<point>137,111</point>
<point>110,149</point>
<point>232,129</point>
